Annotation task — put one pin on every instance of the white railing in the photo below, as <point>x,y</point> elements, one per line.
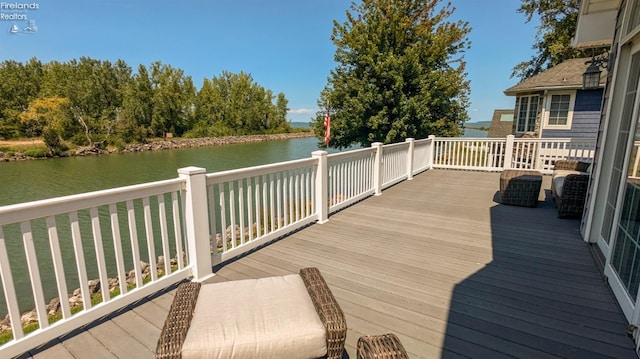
<point>70,240</point>
<point>496,154</point>
<point>350,177</point>
<point>485,154</point>
<point>250,206</point>
<point>204,219</point>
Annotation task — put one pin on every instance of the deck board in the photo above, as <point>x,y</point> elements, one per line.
<point>437,261</point>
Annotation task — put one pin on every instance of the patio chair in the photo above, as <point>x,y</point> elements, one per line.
<point>385,346</point>
<point>292,316</point>
<point>569,185</point>
<point>520,187</point>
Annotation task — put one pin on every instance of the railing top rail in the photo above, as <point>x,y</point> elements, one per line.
<point>556,140</point>
<point>470,139</point>
<point>48,207</point>
<point>352,153</point>
<point>394,145</point>
<point>239,173</point>
<point>422,141</point>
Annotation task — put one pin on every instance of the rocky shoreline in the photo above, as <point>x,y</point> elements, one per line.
<point>75,299</point>
<point>168,144</point>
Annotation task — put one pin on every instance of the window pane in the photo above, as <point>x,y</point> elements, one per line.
<point>559,109</point>
<point>626,253</point>
<point>522,113</point>
<point>635,16</point>
<point>533,114</point>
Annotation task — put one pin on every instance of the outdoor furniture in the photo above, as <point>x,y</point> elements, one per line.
<point>292,316</point>
<point>520,187</point>
<point>385,346</point>
<point>569,184</point>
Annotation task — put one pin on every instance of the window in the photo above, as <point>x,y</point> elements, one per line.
<point>634,19</point>
<point>559,109</point>
<point>527,110</point>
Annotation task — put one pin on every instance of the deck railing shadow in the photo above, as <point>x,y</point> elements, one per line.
<point>540,296</point>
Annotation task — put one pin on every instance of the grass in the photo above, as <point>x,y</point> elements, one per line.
<point>23,147</point>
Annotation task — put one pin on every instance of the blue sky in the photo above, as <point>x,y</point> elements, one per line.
<point>283,44</point>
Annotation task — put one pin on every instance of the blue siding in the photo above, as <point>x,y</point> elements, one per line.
<point>588,100</point>
<point>586,117</point>
<point>584,125</point>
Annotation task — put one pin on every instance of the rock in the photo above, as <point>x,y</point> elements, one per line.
<point>29,317</point>
<point>53,307</point>
<point>94,286</point>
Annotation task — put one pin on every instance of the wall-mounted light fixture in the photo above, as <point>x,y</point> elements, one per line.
<point>591,77</point>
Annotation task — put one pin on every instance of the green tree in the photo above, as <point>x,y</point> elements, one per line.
<point>173,100</point>
<point>558,19</point>
<point>134,123</point>
<point>95,90</point>
<point>233,104</point>
<point>19,85</point>
<point>49,117</point>
<point>401,73</point>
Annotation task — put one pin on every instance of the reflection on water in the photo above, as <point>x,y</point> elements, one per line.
<point>24,181</point>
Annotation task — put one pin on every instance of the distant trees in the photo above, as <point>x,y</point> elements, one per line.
<point>400,73</point>
<point>558,21</point>
<point>234,104</point>
<point>95,102</point>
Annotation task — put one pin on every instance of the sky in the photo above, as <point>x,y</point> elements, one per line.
<point>284,44</point>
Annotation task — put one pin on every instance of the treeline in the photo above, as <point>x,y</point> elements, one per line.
<point>97,103</point>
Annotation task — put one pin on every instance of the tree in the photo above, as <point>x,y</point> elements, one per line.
<point>137,108</point>
<point>401,73</point>
<point>20,84</point>
<point>233,104</point>
<point>49,117</point>
<point>173,99</point>
<point>558,20</point>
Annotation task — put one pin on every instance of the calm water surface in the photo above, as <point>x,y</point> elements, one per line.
<point>23,181</point>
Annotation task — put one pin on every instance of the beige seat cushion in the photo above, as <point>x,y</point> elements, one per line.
<point>557,180</point>
<point>256,318</point>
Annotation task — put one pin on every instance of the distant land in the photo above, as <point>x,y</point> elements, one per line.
<point>479,124</point>
<point>300,124</point>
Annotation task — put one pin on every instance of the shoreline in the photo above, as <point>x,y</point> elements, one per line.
<point>167,144</point>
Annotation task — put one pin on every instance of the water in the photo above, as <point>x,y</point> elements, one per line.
<point>24,181</point>
<point>470,132</point>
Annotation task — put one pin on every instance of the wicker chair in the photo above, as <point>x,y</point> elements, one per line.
<point>569,186</point>
<point>180,316</point>
<point>386,346</point>
<point>520,187</point>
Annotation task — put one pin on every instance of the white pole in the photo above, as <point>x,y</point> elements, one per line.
<point>322,186</point>
<point>197,221</point>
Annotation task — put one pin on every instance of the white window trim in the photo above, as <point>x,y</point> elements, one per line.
<point>547,109</point>
<point>534,119</point>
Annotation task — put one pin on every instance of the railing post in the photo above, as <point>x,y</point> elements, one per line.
<point>431,152</point>
<point>197,221</point>
<point>508,152</point>
<point>322,186</point>
<point>377,168</point>
<point>410,158</point>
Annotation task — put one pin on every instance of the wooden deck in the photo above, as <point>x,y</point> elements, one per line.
<point>438,262</point>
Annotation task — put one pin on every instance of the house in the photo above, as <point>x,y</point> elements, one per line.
<point>501,124</point>
<point>611,221</point>
<point>553,104</point>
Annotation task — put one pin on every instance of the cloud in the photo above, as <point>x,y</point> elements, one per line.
<point>302,111</point>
